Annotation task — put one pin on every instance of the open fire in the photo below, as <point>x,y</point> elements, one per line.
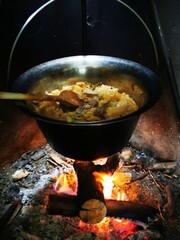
<point>98,187</point>
<point>48,199</point>
<point>111,184</point>
<point>66,183</point>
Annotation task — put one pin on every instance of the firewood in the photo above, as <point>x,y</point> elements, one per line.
<point>16,211</point>
<point>90,194</point>
<point>92,207</point>
<point>68,206</point>
<point>65,205</point>
<point>162,166</point>
<point>58,159</point>
<point>93,211</point>
<point>110,166</point>
<point>10,214</point>
<point>168,207</point>
<point>128,209</point>
<point>139,177</point>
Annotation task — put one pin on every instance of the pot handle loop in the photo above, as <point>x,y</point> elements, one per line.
<point>147,29</point>
<point>49,2</point>
<point>20,33</point>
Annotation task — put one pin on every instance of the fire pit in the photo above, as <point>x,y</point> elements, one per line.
<point>39,197</point>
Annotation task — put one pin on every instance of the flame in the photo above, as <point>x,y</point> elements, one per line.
<point>109,186</point>
<point>66,183</point>
<point>121,196</point>
<point>107,182</point>
<point>64,187</point>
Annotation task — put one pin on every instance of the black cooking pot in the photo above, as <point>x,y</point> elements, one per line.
<point>91,140</point>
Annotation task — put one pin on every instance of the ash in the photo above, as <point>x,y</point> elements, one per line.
<point>155,182</point>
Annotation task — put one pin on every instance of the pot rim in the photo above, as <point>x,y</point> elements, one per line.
<point>133,68</point>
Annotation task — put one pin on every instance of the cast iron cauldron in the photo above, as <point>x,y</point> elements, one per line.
<point>91,140</point>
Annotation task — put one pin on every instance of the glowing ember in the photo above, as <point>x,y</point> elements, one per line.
<point>111,228</point>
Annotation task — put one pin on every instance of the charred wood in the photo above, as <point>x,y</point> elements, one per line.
<point>92,207</point>
<point>144,234</point>
<point>162,166</point>
<point>63,205</point>
<point>139,177</point>
<point>10,214</point>
<point>68,206</point>
<point>168,207</point>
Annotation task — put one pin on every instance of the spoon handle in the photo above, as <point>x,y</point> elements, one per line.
<point>27,96</point>
<point>66,97</point>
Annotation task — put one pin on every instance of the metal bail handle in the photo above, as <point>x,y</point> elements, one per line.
<point>84,38</point>
<point>20,33</point>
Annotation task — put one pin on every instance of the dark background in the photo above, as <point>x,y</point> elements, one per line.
<point>58,31</point>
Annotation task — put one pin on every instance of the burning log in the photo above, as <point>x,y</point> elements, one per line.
<point>93,211</point>
<point>90,194</point>
<point>65,205</point>
<point>89,203</point>
<point>92,207</point>
<point>68,206</point>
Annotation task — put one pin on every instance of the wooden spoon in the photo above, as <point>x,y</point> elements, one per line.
<point>67,97</point>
